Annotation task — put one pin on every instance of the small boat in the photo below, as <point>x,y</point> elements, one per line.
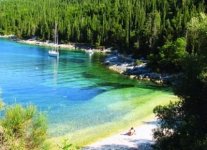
<point>90,52</point>
<point>54,52</point>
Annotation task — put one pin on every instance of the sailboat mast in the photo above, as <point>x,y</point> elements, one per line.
<point>56,34</point>
<point>54,51</point>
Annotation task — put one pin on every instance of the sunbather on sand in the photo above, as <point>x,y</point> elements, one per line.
<point>131,132</point>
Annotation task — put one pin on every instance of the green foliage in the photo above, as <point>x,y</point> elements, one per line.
<point>23,128</point>
<point>39,129</point>
<point>170,55</point>
<point>1,104</point>
<point>185,122</point>
<point>197,34</point>
<point>138,62</point>
<point>16,118</point>
<point>66,145</point>
<point>170,121</point>
<point>119,23</point>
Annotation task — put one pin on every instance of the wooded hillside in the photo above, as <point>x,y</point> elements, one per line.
<point>131,25</point>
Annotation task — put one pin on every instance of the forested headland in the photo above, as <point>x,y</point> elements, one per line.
<point>133,26</point>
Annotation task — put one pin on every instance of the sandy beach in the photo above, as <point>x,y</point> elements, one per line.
<point>142,140</point>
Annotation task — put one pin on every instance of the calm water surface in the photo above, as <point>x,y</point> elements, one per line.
<point>75,91</point>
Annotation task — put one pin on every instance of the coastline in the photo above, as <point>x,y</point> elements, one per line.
<point>138,69</point>
<point>137,117</point>
<point>142,140</point>
<point>122,70</point>
<point>144,132</point>
<point>124,65</point>
<point>74,46</point>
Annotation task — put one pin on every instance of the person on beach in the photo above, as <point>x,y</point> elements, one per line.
<point>131,132</point>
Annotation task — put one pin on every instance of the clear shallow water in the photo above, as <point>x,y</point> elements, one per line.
<point>75,91</point>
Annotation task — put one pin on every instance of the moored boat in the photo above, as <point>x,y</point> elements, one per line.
<point>54,52</point>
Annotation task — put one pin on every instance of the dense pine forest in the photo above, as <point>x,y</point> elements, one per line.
<point>133,26</point>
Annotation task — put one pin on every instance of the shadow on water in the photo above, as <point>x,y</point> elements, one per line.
<point>80,94</point>
<point>130,83</point>
<point>88,75</point>
<point>115,85</point>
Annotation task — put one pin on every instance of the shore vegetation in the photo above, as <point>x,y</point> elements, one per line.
<point>22,128</point>
<point>132,26</point>
<point>183,123</point>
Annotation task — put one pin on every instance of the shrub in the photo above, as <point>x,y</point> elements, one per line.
<point>23,128</point>
<point>66,145</point>
<point>170,56</point>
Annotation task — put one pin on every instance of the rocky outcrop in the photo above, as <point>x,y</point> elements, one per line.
<point>127,66</point>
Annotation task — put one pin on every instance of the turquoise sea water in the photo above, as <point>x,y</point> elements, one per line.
<point>75,91</point>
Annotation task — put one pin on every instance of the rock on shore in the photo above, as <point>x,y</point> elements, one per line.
<point>80,46</point>
<point>127,66</point>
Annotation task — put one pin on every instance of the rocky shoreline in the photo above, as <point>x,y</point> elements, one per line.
<point>129,67</point>
<point>78,46</point>
<point>125,65</point>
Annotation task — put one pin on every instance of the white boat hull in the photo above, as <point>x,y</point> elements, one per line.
<point>53,53</point>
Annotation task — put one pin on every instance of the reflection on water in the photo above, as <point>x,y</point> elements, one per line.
<point>74,91</point>
<point>55,70</point>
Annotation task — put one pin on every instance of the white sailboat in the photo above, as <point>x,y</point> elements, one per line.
<point>90,52</point>
<point>54,52</point>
